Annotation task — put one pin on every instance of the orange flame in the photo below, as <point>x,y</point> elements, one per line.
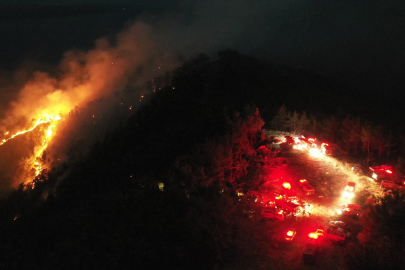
<point>35,160</point>
<point>42,120</point>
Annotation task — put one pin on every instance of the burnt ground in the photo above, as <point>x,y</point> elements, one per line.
<point>329,176</point>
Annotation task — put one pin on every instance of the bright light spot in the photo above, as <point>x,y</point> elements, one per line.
<point>388,171</point>
<point>374,176</point>
<point>7,132</point>
<point>339,212</point>
<point>347,194</point>
<point>299,146</point>
<point>290,233</point>
<point>286,185</point>
<point>313,235</point>
<point>314,152</point>
<point>49,133</point>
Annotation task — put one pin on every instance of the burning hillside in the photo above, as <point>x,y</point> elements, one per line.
<point>111,76</point>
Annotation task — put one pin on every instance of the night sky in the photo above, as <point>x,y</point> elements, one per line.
<point>359,43</point>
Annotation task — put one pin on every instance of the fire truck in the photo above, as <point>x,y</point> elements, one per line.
<point>349,190</point>
<point>336,234</point>
<point>273,212</point>
<point>326,149</point>
<point>311,250</point>
<point>383,172</point>
<point>309,190</point>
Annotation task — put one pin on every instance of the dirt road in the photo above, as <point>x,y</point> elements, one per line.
<point>329,177</point>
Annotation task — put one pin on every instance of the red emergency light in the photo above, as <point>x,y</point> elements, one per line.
<point>313,235</point>
<point>287,185</point>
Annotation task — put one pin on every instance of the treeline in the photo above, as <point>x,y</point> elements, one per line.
<point>382,239</point>
<point>157,193</point>
<point>359,137</point>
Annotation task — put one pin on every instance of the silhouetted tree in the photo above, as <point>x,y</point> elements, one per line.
<point>293,121</point>
<point>279,122</point>
<point>303,123</point>
<point>351,134</point>
<point>331,129</point>
<point>367,137</point>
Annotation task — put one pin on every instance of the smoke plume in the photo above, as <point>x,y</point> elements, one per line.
<point>83,89</point>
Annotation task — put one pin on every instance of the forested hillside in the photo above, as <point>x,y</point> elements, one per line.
<point>159,192</point>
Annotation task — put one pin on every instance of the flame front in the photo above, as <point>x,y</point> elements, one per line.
<point>41,120</point>
<point>35,162</point>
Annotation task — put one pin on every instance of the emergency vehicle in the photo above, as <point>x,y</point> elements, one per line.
<point>336,234</point>
<point>349,190</point>
<point>383,172</point>
<point>273,212</point>
<point>349,209</point>
<point>309,190</point>
<point>290,235</point>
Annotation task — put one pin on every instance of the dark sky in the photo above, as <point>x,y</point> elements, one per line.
<point>357,42</point>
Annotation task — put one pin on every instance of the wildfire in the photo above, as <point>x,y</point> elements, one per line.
<point>41,120</point>
<point>35,162</point>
